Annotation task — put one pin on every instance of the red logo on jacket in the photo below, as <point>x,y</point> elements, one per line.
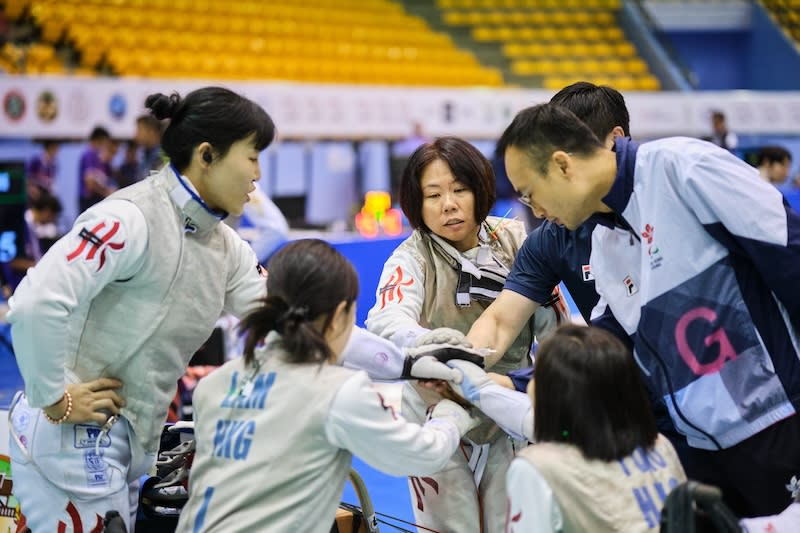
<point>393,287</point>
<point>92,243</point>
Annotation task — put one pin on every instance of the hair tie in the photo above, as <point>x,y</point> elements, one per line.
<point>295,314</point>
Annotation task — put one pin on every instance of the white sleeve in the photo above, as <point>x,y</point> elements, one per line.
<point>108,243</point>
<point>359,421</point>
<point>510,409</point>
<point>264,215</point>
<point>532,508</point>
<point>247,281</point>
<point>378,357</point>
<point>398,301</point>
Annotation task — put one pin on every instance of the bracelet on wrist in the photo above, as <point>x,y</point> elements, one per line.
<point>66,414</point>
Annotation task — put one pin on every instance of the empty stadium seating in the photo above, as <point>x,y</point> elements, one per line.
<point>344,41</point>
<point>555,42</point>
<point>787,14</point>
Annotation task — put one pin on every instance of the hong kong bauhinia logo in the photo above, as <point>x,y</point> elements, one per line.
<point>652,249</point>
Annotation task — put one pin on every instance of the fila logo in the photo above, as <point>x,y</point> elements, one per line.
<point>586,270</point>
<point>630,286</point>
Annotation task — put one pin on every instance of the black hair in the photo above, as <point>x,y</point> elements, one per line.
<point>46,202</point>
<point>468,166</point>
<point>49,143</point>
<point>773,154</point>
<point>600,107</point>
<point>99,133</point>
<point>589,393</point>
<point>542,129</point>
<point>212,114</point>
<point>307,279</point>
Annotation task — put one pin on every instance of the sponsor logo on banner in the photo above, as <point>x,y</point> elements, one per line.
<point>14,105</point>
<point>117,106</point>
<point>47,106</point>
<point>77,106</point>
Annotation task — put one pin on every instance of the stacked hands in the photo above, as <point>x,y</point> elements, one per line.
<point>444,360</point>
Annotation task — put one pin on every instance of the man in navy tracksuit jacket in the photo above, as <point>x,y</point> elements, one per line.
<point>699,266</point>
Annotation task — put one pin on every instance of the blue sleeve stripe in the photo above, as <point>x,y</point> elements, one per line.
<point>520,378</point>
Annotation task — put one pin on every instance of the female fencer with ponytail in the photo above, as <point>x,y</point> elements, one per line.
<point>275,429</point>
<point>105,323</point>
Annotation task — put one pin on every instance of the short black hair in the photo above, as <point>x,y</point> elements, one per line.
<point>468,165</point>
<point>589,393</point>
<point>308,278</point>
<point>602,108</point>
<point>773,154</point>
<point>214,115</point>
<point>99,133</point>
<point>46,202</point>
<point>542,129</point>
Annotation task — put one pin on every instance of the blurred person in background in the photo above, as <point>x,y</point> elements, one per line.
<point>148,138</point>
<point>94,169</point>
<point>720,134</point>
<point>774,163</point>
<point>40,170</point>
<point>42,213</point>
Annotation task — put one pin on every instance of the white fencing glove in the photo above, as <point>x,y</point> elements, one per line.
<point>429,361</point>
<point>449,410</point>
<point>443,336</point>
<point>510,409</point>
<point>472,380</point>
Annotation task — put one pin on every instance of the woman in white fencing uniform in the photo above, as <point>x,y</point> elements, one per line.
<point>276,430</point>
<point>443,276</point>
<point>106,322</point>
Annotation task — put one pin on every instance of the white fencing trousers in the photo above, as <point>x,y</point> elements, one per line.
<point>62,484</point>
<point>469,494</point>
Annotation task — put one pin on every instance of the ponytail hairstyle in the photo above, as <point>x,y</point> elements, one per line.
<point>211,114</point>
<point>307,279</point>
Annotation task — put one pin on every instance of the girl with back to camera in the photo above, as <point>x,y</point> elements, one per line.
<point>598,464</point>
<point>432,289</point>
<point>106,322</point>
<point>275,430</point>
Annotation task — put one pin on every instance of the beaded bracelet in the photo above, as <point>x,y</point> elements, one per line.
<point>66,414</point>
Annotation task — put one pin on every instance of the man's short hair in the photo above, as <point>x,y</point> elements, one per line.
<point>542,129</point>
<point>99,133</point>
<point>772,154</point>
<point>602,108</point>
